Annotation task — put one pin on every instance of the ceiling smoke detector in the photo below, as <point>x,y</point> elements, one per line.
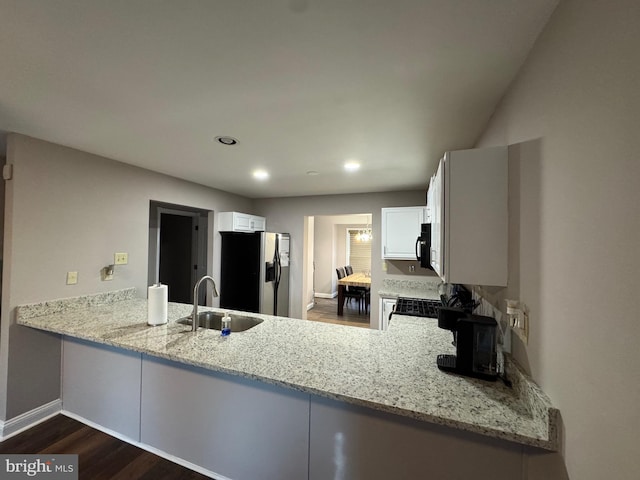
<point>224,140</point>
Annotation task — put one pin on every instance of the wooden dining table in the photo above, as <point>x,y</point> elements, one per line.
<point>359,279</point>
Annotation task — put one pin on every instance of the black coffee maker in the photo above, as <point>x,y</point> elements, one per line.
<point>475,339</point>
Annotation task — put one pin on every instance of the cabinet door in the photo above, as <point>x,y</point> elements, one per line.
<point>429,214</point>
<point>242,222</point>
<point>470,224</point>
<point>388,305</point>
<point>400,230</point>
<point>258,224</point>
<point>102,384</point>
<point>352,442</point>
<point>235,427</point>
<point>437,219</point>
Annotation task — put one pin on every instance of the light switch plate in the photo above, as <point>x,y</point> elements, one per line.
<point>120,258</point>
<point>522,328</point>
<point>72,278</point>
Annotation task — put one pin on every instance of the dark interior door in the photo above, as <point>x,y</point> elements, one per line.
<point>176,256</point>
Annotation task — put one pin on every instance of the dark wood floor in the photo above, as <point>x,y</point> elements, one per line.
<point>326,310</point>
<point>100,456</point>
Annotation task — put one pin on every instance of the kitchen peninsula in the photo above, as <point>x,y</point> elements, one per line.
<point>287,389</point>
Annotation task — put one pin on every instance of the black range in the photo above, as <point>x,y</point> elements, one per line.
<point>417,307</point>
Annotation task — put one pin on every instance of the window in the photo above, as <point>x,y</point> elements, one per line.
<point>358,252</point>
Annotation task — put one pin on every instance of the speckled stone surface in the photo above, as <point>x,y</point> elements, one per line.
<point>392,371</point>
<point>65,305</point>
<point>411,288</point>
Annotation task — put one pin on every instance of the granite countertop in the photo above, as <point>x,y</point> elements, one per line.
<point>392,371</point>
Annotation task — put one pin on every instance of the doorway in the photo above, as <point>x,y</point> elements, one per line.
<point>177,249</point>
<point>335,242</point>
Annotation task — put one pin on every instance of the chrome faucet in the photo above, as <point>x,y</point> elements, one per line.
<point>194,314</point>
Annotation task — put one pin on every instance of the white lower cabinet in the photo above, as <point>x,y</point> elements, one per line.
<point>237,428</point>
<point>102,384</point>
<point>354,443</point>
<point>387,305</point>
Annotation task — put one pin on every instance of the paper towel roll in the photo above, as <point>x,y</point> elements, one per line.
<point>157,304</point>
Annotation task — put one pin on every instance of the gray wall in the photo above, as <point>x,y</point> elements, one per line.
<point>288,214</point>
<point>324,254</point>
<point>572,120</point>
<point>67,210</point>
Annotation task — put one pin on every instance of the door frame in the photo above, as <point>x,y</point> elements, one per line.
<point>198,240</point>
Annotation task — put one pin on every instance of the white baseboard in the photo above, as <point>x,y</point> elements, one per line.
<point>29,419</point>
<point>326,295</point>
<point>310,306</point>
<point>148,448</point>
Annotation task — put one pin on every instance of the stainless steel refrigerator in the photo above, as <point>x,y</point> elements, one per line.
<point>254,273</point>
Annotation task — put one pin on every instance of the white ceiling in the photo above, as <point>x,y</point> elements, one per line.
<point>302,84</point>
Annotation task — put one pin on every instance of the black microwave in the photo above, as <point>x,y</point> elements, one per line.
<point>423,246</point>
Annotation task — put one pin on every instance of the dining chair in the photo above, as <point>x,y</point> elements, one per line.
<point>349,293</point>
<point>363,291</point>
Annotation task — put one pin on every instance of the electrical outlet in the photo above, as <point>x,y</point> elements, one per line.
<point>120,258</point>
<point>72,278</point>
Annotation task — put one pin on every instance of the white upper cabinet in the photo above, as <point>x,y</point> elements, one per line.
<point>240,222</point>
<point>258,224</point>
<point>400,230</point>
<point>468,198</point>
<point>435,205</point>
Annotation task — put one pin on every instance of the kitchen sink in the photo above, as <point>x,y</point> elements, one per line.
<point>213,321</point>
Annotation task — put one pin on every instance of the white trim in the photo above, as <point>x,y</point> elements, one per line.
<point>148,448</point>
<point>310,305</point>
<point>326,295</point>
<point>29,419</point>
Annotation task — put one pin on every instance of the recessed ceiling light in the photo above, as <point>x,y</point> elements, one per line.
<point>260,174</point>
<point>224,140</point>
<point>351,166</point>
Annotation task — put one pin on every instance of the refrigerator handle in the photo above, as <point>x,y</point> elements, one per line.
<point>278,273</point>
<point>276,261</point>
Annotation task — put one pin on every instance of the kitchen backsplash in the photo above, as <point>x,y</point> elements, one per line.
<point>420,287</point>
<point>411,283</point>
<point>409,268</point>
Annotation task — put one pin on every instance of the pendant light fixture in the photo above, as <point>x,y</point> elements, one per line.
<point>365,235</point>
